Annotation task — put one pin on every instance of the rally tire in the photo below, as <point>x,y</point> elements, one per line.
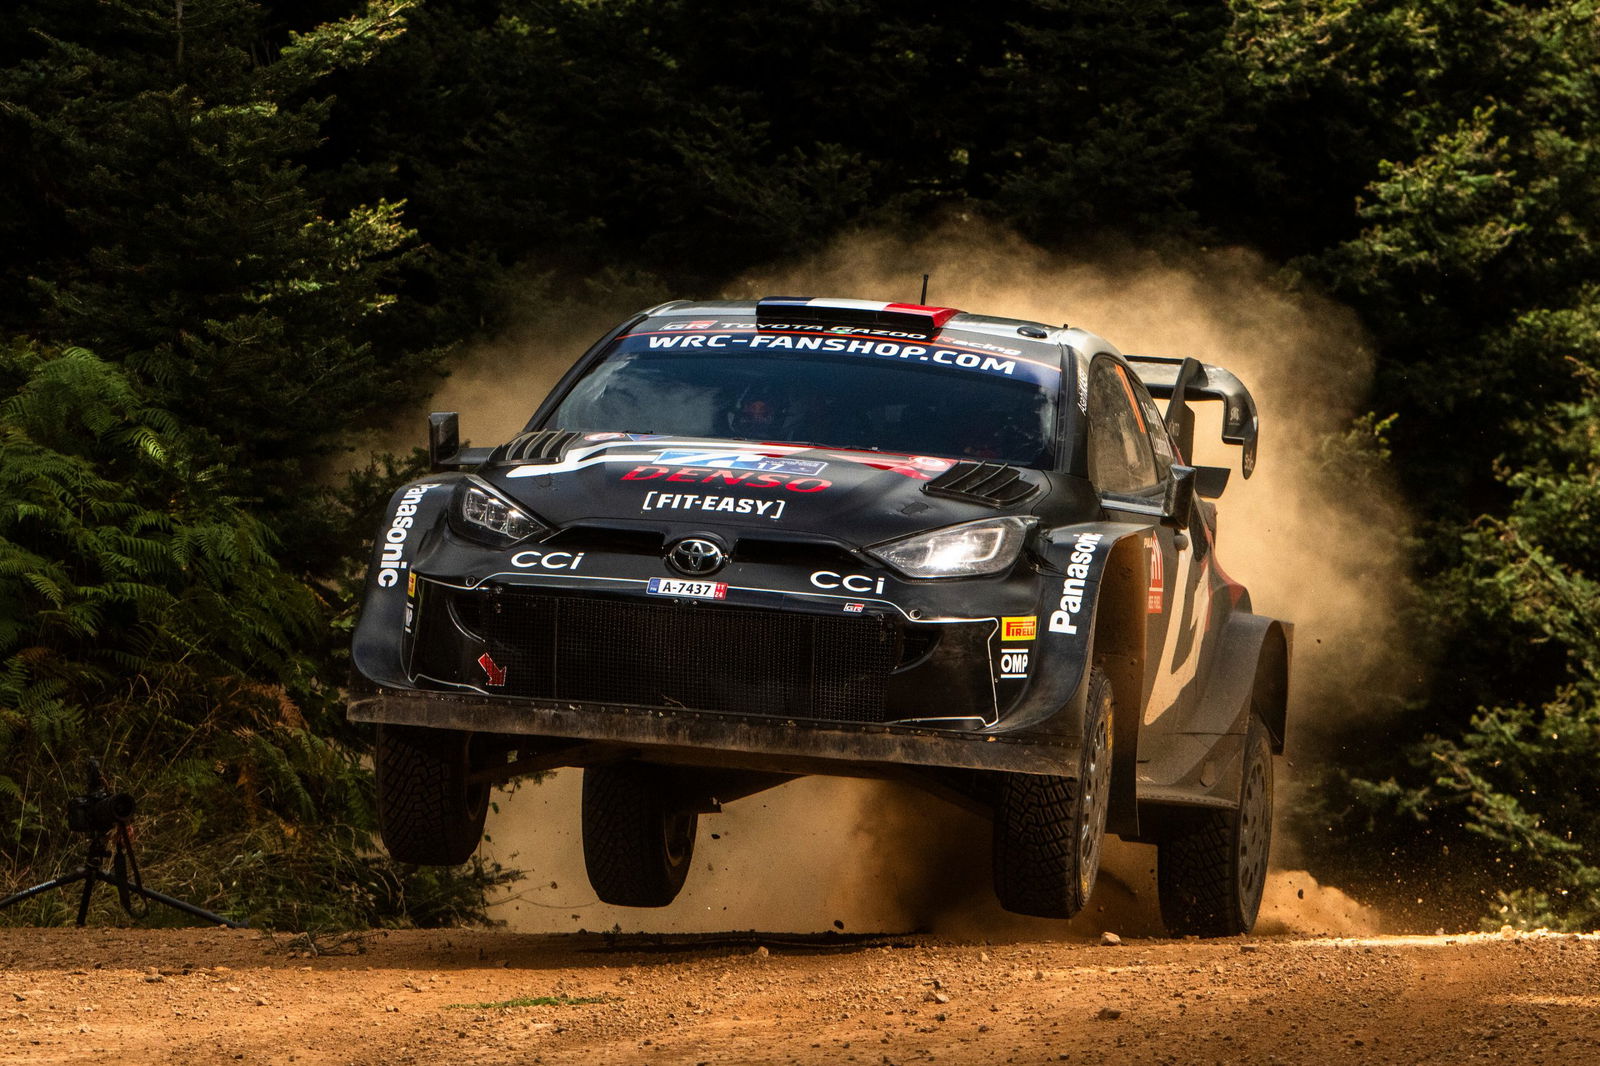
<point>429,811</point>
<point>1211,866</point>
<point>1048,830</point>
<point>637,845</point>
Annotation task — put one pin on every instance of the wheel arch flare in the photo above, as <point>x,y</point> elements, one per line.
<point>1096,614</point>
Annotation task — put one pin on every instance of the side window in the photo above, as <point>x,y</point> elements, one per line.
<point>1120,457</point>
<point>1160,440</point>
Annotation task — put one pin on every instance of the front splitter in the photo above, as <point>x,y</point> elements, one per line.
<point>791,745</point>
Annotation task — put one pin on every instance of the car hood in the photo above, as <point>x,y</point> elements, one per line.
<point>769,490</point>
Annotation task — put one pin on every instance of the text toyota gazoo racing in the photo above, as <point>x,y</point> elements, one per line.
<point>744,542</point>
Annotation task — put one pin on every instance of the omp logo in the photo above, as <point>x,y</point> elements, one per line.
<point>1013,663</point>
<point>1025,627</point>
<point>1065,618</point>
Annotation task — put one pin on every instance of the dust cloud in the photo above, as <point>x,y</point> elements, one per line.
<point>496,384</point>
<point>1295,903</point>
<point>823,854</point>
<point>813,855</point>
<point>1314,545</point>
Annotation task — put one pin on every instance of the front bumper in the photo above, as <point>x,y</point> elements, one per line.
<point>803,660</point>
<point>704,738</point>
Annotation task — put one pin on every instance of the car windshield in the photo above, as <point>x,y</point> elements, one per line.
<point>982,407</point>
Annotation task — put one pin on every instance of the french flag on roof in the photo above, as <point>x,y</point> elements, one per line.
<point>913,319</point>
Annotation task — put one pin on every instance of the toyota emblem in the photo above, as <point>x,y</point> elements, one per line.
<point>696,557</point>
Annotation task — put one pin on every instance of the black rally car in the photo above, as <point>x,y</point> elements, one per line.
<point>744,542</point>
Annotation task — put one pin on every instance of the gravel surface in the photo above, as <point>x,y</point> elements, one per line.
<point>179,996</point>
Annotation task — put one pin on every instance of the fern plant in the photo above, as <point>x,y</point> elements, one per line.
<point>144,620</point>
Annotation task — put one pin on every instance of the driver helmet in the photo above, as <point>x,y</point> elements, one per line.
<point>757,414</point>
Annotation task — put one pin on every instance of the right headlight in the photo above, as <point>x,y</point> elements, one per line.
<point>971,549</point>
<point>483,514</point>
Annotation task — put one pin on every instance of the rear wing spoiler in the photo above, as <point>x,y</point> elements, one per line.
<point>1182,380</point>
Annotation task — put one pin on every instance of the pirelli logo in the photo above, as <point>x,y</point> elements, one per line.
<point>1024,627</point>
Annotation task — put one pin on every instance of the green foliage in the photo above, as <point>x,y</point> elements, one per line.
<point>1511,799</point>
<point>1528,776</point>
<point>167,219</point>
<point>1463,138</point>
<point>1480,222</point>
<point>1526,780</point>
<point>691,140</point>
<point>144,620</point>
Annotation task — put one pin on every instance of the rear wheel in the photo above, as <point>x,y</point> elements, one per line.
<point>1048,829</point>
<point>1211,867</point>
<point>637,844</point>
<point>428,810</point>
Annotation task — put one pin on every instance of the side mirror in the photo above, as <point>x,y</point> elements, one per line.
<point>1209,481</point>
<point>1178,505</point>
<point>444,440</point>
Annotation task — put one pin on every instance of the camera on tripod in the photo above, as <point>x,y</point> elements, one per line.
<point>98,812</point>
<point>104,815</point>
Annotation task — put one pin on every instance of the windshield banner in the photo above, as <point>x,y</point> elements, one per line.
<point>962,356</point>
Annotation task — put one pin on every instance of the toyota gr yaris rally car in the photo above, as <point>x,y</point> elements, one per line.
<point>744,542</point>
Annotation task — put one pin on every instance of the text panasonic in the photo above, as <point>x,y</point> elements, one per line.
<point>1065,618</point>
<point>394,540</point>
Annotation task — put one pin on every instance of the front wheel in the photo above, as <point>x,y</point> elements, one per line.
<point>1048,829</point>
<point>637,842</point>
<point>429,809</point>
<point>1211,867</point>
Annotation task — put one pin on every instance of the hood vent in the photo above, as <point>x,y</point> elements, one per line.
<point>540,446</point>
<point>991,484</point>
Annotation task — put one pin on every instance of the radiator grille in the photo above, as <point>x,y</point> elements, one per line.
<point>709,657</point>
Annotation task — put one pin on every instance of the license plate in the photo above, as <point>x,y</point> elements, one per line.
<point>691,590</point>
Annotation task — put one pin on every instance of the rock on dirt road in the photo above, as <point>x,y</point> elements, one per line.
<point>480,997</point>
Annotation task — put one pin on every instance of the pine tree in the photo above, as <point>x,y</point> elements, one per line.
<point>164,216</point>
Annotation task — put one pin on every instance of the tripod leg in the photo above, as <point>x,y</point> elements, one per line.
<point>126,859</point>
<point>29,893</point>
<point>89,878</point>
<point>187,908</point>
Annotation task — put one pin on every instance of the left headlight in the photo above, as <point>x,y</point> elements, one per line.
<point>968,550</point>
<point>483,514</point>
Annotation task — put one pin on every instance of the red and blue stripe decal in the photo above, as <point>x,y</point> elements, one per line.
<point>913,319</point>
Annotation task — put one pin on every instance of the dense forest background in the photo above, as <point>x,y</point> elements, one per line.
<point>238,237</point>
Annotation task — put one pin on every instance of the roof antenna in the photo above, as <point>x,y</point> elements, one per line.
<point>924,300</point>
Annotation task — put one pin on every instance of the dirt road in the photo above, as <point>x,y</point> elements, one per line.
<point>153,996</point>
